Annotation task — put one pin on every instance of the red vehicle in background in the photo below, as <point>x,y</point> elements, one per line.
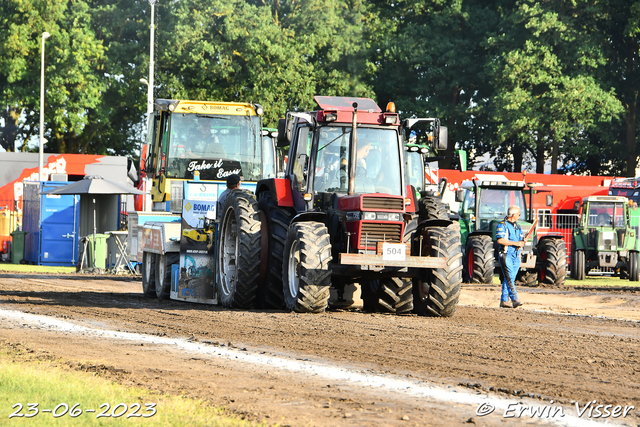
<point>556,198</point>
<point>557,208</point>
<point>626,187</point>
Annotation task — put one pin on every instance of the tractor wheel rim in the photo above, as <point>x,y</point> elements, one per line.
<point>294,269</point>
<point>470,264</point>
<point>147,267</point>
<point>160,279</point>
<point>229,252</point>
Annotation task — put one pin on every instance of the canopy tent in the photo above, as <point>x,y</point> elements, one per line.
<point>95,187</point>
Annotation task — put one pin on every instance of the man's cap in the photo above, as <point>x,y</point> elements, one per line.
<point>233,179</point>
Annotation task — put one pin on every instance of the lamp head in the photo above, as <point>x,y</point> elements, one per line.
<point>45,35</point>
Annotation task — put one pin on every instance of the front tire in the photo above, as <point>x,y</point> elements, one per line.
<point>553,253</point>
<point>438,296</point>
<point>634,271</point>
<point>580,265</point>
<point>148,274</point>
<point>239,250</point>
<point>480,260</point>
<point>306,271</point>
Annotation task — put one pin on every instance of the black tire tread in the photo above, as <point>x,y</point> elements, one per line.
<point>278,220</point>
<point>528,278</point>
<point>315,268</point>
<point>580,270</point>
<point>244,289</point>
<point>483,259</point>
<point>390,295</point>
<point>431,207</point>
<point>554,266</point>
<point>148,286</point>
<point>442,292</point>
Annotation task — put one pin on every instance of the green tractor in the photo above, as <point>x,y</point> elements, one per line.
<point>429,196</point>
<point>483,205</point>
<point>605,238</point>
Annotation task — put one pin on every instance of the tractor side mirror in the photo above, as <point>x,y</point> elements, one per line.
<point>285,129</point>
<point>459,195</point>
<point>443,139</point>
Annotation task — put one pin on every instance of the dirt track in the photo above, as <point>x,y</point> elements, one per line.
<point>532,351</point>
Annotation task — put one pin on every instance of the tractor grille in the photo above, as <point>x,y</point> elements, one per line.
<point>607,240</point>
<point>396,204</point>
<point>374,233</point>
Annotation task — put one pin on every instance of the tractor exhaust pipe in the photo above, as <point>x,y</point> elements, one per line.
<point>353,152</point>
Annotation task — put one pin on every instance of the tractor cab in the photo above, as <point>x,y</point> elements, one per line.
<point>605,238</point>
<point>348,146</point>
<point>205,141</point>
<point>485,204</point>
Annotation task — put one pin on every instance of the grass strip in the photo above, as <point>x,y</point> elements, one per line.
<point>51,387</point>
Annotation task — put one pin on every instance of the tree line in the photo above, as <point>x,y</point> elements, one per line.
<point>526,81</point>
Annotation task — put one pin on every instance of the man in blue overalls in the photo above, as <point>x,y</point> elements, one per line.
<point>510,239</point>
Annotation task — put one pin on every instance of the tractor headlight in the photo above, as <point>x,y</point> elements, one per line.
<point>369,215</point>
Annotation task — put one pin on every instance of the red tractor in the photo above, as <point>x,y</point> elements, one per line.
<point>343,214</point>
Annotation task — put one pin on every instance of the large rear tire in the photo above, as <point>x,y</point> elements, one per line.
<point>239,250</point>
<point>479,266</point>
<point>163,274</point>
<point>306,270</point>
<point>148,274</point>
<point>430,207</point>
<point>553,253</point>
<point>634,270</point>
<point>277,222</point>
<point>390,295</point>
<point>438,296</point>
<point>580,265</point>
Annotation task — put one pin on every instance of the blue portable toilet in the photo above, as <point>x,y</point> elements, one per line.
<point>52,224</point>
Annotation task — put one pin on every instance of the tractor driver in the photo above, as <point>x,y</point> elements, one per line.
<point>198,144</point>
<point>364,148</point>
<point>511,240</point>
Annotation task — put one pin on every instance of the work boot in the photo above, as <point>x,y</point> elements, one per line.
<point>516,303</point>
<point>505,304</point>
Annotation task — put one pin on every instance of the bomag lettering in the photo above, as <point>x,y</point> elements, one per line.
<point>203,207</point>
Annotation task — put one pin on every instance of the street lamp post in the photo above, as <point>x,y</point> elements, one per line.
<point>151,63</point>
<point>45,36</point>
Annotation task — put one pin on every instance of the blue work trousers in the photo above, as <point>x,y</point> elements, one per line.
<point>510,263</point>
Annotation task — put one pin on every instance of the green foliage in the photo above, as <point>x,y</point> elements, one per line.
<point>545,97</point>
<point>73,59</point>
<point>279,54</point>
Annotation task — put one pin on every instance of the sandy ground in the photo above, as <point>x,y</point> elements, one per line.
<point>562,345</point>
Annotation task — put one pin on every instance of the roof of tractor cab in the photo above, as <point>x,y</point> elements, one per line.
<point>606,199</point>
<point>340,109</point>
<point>206,107</point>
<point>492,181</point>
